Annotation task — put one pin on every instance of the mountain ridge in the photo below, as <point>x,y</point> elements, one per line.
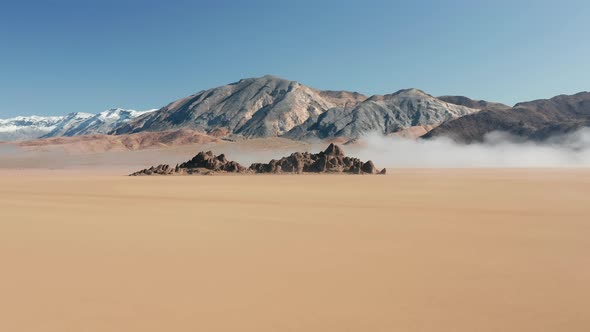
<point>22,128</point>
<point>385,114</point>
<point>270,106</point>
<point>535,120</point>
<point>252,107</point>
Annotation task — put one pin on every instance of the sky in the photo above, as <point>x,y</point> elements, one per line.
<point>58,57</point>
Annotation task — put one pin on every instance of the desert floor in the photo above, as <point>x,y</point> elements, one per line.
<point>416,250</point>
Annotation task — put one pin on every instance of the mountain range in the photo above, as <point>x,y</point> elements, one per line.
<point>270,106</point>
<point>27,127</point>
<point>73,124</point>
<point>535,120</point>
<point>382,114</point>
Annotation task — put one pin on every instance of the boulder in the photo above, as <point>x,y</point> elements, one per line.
<point>369,168</point>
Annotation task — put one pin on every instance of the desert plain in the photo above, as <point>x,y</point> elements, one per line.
<point>90,249</point>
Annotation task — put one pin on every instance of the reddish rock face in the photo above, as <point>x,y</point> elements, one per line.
<point>332,160</point>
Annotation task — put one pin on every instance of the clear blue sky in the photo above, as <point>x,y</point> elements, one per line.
<point>58,57</point>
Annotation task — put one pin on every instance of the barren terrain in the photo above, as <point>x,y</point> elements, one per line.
<point>415,250</point>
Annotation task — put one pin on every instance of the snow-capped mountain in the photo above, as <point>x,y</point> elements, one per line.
<point>73,124</point>
<point>27,127</point>
<point>67,122</point>
<point>100,123</point>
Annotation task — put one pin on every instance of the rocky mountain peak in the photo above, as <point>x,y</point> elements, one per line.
<point>252,107</point>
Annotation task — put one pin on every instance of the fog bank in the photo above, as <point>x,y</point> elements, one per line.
<point>497,150</point>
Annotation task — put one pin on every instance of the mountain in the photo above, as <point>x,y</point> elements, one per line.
<point>27,127</point>
<point>254,107</point>
<point>73,124</point>
<point>471,103</point>
<point>100,123</point>
<point>382,114</point>
<point>68,122</point>
<point>534,120</point>
<point>271,106</point>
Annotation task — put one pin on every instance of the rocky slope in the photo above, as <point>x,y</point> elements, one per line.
<point>332,160</point>
<point>271,106</point>
<point>471,103</point>
<point>381,114</point>
<point>256,107</point>
<point>534,120</point>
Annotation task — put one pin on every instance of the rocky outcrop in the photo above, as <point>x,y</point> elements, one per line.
<point>202,163</point>
<point>332,160</point>
<point>157,170</point>
<point>209,161</point>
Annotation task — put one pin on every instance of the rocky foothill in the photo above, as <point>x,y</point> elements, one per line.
<point>332,160</point>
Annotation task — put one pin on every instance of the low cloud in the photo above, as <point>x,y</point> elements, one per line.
<point>498,150</point>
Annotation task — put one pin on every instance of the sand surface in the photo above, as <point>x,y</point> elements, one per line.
<point>416,250</point>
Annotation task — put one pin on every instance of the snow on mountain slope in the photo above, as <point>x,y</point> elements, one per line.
<point>74,124</point>
<point>27,127</point>
<point>103,122</point>
<point>67,122</point>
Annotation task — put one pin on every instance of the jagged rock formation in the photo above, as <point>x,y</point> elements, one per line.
<point>381,114</point>
<point>535,120</point>
<point>332,160</point>
<point>254,107</point>
<point>202,163</point>
<point>209,161</point>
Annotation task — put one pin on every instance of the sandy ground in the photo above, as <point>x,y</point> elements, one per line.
<point>70,157</point>
<point>416,250</point>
